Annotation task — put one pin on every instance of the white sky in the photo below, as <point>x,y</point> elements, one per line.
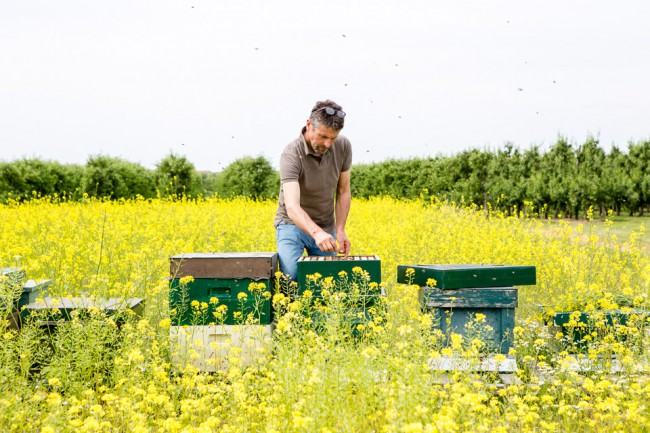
<point>219,80</point>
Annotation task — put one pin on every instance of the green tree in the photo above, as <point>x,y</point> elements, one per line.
<point>560,162</point>
<point>588,190</point>
<point>23,178</point>
<point>115,178</point>
<point>537,184</point>
<point>507,179</point>
<point>639,169</point>
<point>615,180</point>
<point>176,175</point>
<point>252,177</point>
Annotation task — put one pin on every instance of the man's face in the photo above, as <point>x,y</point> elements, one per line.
<point>320,138</point>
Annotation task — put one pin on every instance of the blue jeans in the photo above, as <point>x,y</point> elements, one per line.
<point>291,243</point>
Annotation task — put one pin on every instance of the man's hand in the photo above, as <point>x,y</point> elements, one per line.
<point>344,243</point>
<point>325,241</point>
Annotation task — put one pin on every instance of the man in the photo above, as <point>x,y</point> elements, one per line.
<point>314,167</point>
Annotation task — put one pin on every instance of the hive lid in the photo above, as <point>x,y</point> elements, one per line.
<point>337,258</point>
<point>467,275</point>
<point>256,265</point>
<point>31,286</point>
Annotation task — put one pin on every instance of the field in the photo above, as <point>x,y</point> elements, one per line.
<point>93,375</point>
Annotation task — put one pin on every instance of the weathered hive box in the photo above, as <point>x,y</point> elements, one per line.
<point>215,347</point>
<point>454,310</point>
<point>331,266</point>
<point>222,279</point>
<point>467,276</point>
<point>50,310</point>
<point>33,290</point>
<point>15,275</point>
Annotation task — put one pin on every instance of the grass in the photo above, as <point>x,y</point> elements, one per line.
<point>622,227</point>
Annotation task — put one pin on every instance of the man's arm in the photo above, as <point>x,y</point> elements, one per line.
<point>324,240</point>
<point>341,210</point>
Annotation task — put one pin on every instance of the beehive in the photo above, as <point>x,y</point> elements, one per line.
<point>457,294</point>
<point>332,266</point>
<point>221,279</point>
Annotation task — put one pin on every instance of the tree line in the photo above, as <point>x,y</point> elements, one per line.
<point>566,180</point>
<point>115,178</point>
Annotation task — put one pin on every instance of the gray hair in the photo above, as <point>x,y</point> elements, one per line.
<point>319,117</point>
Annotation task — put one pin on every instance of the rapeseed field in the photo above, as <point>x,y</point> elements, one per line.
<point>98,373</point>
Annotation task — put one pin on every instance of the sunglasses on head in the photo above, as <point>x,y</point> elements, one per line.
<point>330,111</point>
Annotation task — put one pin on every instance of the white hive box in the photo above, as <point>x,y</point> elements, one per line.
<point>215,347</point>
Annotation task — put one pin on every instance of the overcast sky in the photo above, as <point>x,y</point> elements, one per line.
<point>219,80</point>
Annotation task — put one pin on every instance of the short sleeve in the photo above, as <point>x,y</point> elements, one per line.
<point>347,156</point>
<point>289,167</point>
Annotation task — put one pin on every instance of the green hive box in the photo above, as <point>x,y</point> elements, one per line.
<point>460,307</point>
<point>223,276</point>
<point>467,276</point>
<point>226,292</point>
<point>331,266</point>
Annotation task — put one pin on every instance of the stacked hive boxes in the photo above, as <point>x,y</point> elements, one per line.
<point>223,310</point>
<point>463,292</point>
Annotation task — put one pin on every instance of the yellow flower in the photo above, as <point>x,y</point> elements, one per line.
<point>186,280</point>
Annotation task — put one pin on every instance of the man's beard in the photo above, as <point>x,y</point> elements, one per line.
<point>320,150</point>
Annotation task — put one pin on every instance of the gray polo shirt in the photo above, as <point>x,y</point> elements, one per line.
<point>317,177</point>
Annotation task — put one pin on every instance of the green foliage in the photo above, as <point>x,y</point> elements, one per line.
<point>638,167</point>
<point>176,175</point>
<point>25,178</point>
<point>565,181</point>
<point>115,178</point>
<point>252,177</point>
<point>210,182</point>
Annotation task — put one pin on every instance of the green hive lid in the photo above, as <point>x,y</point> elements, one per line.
<point>468,276</point>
